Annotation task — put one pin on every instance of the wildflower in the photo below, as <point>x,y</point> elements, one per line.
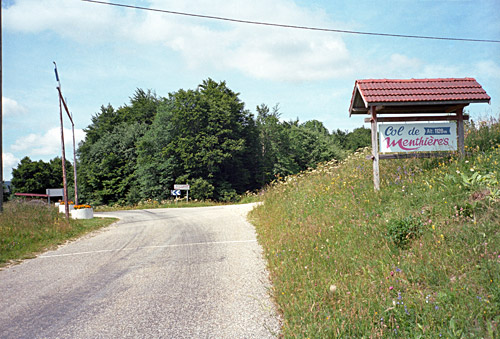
<point>391,288</point>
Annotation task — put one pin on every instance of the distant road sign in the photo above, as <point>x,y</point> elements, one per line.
<point>54,192</point>
<point>175,192</point>
<point>181,187</point>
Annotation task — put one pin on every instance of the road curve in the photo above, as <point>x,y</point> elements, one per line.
<point>162,273</point>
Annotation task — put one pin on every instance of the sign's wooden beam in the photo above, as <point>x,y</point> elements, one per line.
<point>427,118</point>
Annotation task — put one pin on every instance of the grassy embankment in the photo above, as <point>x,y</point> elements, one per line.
<point>27,228</point>
<point>420,258</point>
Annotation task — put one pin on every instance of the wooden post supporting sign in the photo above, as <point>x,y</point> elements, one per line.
<point>375,157</point>
<point>460,131</point>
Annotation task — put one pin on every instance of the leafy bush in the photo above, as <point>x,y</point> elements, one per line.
<point>201,189</point>
<point>229,195</point>
<point>401,231</point>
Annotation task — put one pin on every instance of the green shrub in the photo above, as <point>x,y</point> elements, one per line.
<point>402,231</point>
<point>201,189</point>
<point>229,195</point>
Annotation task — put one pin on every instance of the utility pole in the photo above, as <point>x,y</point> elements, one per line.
<point>74,160</point>
<point>1,116</point>
<point>65,183</point>
<point>70,116</point>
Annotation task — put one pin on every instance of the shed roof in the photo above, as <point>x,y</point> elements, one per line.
<point>428,95</point>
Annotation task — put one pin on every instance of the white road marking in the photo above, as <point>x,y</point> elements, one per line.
<point>149,247</point>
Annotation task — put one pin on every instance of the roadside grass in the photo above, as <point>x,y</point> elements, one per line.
<point>28,228</point>
<point>420,258</point>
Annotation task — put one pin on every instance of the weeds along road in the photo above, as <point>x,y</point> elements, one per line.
<point>163,273</point>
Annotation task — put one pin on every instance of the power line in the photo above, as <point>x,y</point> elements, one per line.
<point>292,26</point>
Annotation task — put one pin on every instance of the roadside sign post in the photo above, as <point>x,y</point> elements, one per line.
<point>423,117</point>
<point>54,192</point>
<point>183,187</point>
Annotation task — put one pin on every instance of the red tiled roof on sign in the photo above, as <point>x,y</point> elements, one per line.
<point>375,92</point>
<point>421,90</point>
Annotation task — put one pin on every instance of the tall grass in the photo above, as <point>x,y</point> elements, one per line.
<point>30,227</point>
<point>420,258</point>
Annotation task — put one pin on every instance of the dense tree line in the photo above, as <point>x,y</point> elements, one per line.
<point>204,137</point>
<point>36,176</point>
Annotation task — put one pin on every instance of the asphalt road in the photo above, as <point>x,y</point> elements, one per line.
<point>162,273</point>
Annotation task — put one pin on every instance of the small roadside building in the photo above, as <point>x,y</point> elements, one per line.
<point>439,102</point>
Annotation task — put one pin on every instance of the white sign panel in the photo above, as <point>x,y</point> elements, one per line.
<point>54,192</point>
<point>181,187</point>
<point>425,137</point>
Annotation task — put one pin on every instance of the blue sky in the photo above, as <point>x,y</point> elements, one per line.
<point>104,53</point>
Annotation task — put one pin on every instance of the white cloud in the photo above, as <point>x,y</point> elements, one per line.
<point>400,61</point>
<point>73,19</point>
<point>407,67</point>
<point>9,162</point>
<point>300,56</point>
<point>12,107</point>
<point>488,68</point>
<point>443,71</point>
<point>400,66</point>
<point>257,51</point>
<point>48,144</point>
